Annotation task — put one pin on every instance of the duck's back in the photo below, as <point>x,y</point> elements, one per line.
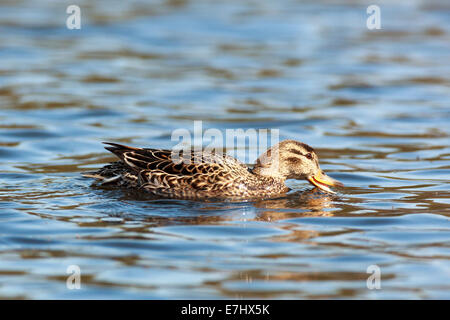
<point>194,174</point>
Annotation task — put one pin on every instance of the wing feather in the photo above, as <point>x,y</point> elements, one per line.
<point>156,159</point>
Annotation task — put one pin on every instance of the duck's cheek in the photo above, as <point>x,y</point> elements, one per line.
<point>297,176</point>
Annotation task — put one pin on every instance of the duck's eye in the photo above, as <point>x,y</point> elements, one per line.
<point>309,156</point>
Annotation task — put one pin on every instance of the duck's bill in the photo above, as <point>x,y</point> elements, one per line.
<point>324,182</point>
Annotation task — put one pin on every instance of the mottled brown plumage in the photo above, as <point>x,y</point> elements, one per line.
<point>202,175</point>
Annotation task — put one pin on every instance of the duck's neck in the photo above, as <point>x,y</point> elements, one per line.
<point>268,171</point>
<point>268,165</point>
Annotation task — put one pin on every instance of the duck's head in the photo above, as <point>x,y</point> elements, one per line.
<point>291,159</point>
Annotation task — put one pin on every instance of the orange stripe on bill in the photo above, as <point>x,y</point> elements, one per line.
<point>324,182</point>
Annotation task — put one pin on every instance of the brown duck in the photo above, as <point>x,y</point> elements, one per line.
<point>203,175</point>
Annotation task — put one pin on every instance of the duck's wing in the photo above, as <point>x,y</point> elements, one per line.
<point>190,164</point>
<point>198,175</point>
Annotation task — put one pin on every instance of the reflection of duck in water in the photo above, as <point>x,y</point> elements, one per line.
<point>310,203</point>
<point>204,175</point>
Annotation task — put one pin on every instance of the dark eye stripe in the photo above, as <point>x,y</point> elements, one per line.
<point>295,151</point>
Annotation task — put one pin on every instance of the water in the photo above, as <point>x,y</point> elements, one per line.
<point>373,103</point>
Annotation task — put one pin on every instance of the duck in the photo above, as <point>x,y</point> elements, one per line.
<point>210,175</point>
